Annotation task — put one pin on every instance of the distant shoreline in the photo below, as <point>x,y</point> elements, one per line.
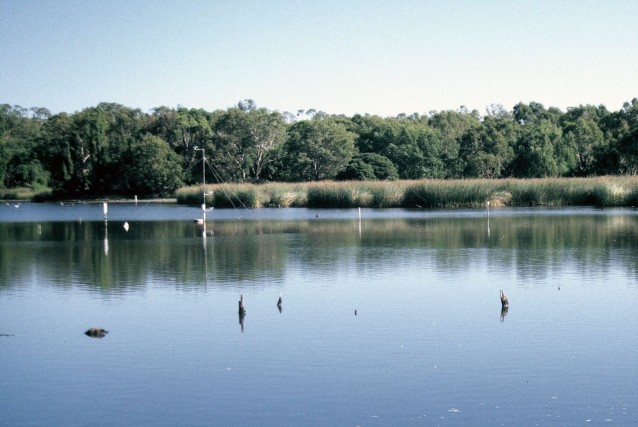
<point>607,191</point>
<point>621,191</point>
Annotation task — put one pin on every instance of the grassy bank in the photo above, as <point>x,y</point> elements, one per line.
<point>21,193</point>
<point>599,191</point>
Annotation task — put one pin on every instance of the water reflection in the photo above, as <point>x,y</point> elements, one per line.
<point>241,311</point>
<point>242,315</point>
<point>258,253</point>
<point>504,310</point>
<point>426,288</point>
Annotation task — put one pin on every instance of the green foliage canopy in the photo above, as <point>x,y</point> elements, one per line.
<point>114,149</point>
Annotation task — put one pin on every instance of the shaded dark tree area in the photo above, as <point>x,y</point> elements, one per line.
<point>111,149</point>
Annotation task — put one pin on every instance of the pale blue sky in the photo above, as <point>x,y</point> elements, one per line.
<point>342,57</point>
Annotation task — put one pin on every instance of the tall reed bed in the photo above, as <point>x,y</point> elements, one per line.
<point>23,193</point>
<point>455,193</point>
<point>351,194</point>
<point>599,191</point>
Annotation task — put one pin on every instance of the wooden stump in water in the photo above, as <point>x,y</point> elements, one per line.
<point>504,301</point>
<point>242,310</point>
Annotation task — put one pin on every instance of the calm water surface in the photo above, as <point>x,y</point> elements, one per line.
<point>393,319</point>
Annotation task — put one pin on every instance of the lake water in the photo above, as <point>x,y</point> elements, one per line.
<point>394,319</point>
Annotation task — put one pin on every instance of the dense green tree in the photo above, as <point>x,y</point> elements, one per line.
<point>19,135</point>
<point>537,152</point>
<point>369,166</point>
<point>534,113</point>
<point>628,138</point>
<point>163,122</point>
<point>124,128</point>
<point>100,150</point>
<point>615,156</point>
<point>585,139</point>
<point>317,149</point>
<point>268,132</point>
<point>192,128</point>
<point>485,150</point>
<point>373,133</point>
<point>416,151</point>
<point>89,147</point>
<point>451,126</point>
<point>56,140</point>
<point>232,148</point>
<point>246,140</point>
<point>152,168</point>
<point>412,146</point>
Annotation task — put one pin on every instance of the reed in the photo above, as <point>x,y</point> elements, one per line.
<point>454,193</point>
<point>599,191</point>
<point>191,195</point>
<point>632,197</point>
<point>380,194</point>
<point>473,193</point>
<point>330,194</point>
<point>284,195</point>
<point>23,193</point>
<point>240,196</point>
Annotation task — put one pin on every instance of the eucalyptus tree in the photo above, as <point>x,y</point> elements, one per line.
<point>534,113</point>
<point>485,149</point>
<point>416,151</point>
<point>451,126</point>
<point>374,133</point>
<point>415,148</point>
<point>245,140</point>
<point>101,136</point>
<point>190,129</point>
<point>164,123</point>
<point>627,138</point>
<point>267,132</point>
<point>19,136</point>
<point>231,145</point>
<point>539,152</point>
<point>87,146</point>
<point>586,140</point>
<point>369,166</point>
<point>317,149</point>
<point>152,168</point>
<point>56,149</point>
<point>125,128</point>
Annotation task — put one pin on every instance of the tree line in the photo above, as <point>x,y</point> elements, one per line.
<point>111,149</point>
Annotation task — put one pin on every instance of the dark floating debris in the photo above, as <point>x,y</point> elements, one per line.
<point>96,332</point>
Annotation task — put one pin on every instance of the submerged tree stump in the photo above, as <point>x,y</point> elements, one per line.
<point>242,310</point>
<point>504,301</point>
<point>96,332</point>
